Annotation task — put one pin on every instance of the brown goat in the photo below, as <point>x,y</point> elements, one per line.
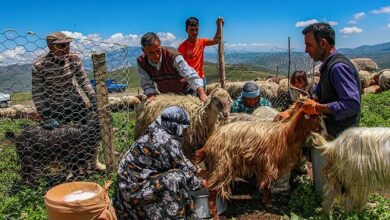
<point>267,150</point>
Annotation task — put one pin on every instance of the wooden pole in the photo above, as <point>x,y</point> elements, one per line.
<point>289,63</point>
<point>221,59</point>
<point>100,73</point>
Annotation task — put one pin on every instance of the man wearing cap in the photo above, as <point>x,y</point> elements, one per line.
<point>164,70</point>
<point>56,77</point>
<point>249,99</point>
<point>56,80</point>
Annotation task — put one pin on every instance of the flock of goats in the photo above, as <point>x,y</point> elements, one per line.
<point>238,145</point>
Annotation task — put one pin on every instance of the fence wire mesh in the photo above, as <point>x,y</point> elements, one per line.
<point>54,91</point>
<point>64,135</point>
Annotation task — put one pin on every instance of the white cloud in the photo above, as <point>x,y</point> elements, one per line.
<point>305,23</point>
<point>167,38</point>
<point>19,55</point>
<point>383,10</point>
<point>359,16</point>
<point>388,26</point>
<point>232,45</point>
<point>260,44</point>
<point>352,22</point>
<point>351,30</point>
<point>333,23</point>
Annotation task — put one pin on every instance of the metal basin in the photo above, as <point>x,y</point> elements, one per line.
<point>200,198</point>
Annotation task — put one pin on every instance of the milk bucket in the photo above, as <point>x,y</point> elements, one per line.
<point>201,197</point>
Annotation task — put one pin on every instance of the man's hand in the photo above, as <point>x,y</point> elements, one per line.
<point>282,115</point>
<point>204,183</point>
<point>201,93</point>
<point>309,107</point>
<point>203,97</point>
<point>151,97</point>
<point>220,21</point>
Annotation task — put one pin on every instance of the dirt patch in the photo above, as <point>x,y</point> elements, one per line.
<point>246,203</point>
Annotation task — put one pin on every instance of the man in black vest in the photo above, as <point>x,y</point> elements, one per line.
<point>338,91</point>
<point>167,70</point>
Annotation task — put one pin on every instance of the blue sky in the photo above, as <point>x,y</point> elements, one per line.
<point>249,25</point>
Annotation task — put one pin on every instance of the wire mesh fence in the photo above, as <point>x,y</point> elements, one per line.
<point>60,89</point>
<point>75,111</point>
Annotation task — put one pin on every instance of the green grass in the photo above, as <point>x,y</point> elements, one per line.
<point>19,202</point>
<point>376,110</point>
<point>20,98</point>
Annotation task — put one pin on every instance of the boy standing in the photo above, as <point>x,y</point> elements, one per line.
<point>192,48</point>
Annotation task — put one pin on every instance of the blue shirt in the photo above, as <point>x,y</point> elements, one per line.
<point>346,88</point>
<point>240,106</point>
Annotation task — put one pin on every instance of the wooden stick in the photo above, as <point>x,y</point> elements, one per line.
<point>100,73</point>
<point>221,59</point>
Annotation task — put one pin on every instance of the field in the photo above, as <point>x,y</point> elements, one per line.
<point>21,202</point>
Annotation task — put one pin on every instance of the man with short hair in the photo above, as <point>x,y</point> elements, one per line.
<point>193,47</point>
<point>166,69</point>
<point>338,91</point>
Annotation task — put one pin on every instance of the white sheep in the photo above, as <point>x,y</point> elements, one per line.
<point>357,162</point>
<point>203,115</point>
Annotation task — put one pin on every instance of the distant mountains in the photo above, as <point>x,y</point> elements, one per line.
<point>384,47</point>
<point>17,77</point>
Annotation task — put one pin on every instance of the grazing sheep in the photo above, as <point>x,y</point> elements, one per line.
<point>364,78</point>
<point>72,145</point>
<point>268,90</point>
<point>19,111</point>
<point>357,162</point>
<point>123,103</point>
<point>274,79</point>
<point>203,115</point>
<point>374,78</point>
<point>365,64</point>
<point>266,113</point>
<point>267,150</point>
<point>233,88</point>
<point>384,80</point>
<point>373,89</point>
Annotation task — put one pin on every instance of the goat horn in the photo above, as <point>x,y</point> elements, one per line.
<point>301,92</point>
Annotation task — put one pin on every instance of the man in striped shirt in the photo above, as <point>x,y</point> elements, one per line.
<point>56,80</point>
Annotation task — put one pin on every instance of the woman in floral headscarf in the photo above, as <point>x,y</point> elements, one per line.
<point>154,176</point>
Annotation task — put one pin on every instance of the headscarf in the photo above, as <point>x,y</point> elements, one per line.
<point>250,90</point>
<point>174,120</point>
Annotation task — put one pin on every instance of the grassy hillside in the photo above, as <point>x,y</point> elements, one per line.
<point>22,202</point>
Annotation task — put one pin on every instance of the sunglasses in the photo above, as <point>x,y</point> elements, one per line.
<point>60,45</point>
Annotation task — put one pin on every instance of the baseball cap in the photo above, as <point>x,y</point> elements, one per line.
<point>250,90</point>
<point>58,38</point>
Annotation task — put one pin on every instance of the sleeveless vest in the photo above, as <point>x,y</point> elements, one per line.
<point>328,94</point>
<point>167,78</point>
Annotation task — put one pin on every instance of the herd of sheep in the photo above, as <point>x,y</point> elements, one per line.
<point>240,145</point>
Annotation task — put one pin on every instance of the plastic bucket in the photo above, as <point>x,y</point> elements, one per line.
<point>79,201</point>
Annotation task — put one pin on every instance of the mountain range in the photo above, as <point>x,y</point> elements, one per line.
<point>17,77</point>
